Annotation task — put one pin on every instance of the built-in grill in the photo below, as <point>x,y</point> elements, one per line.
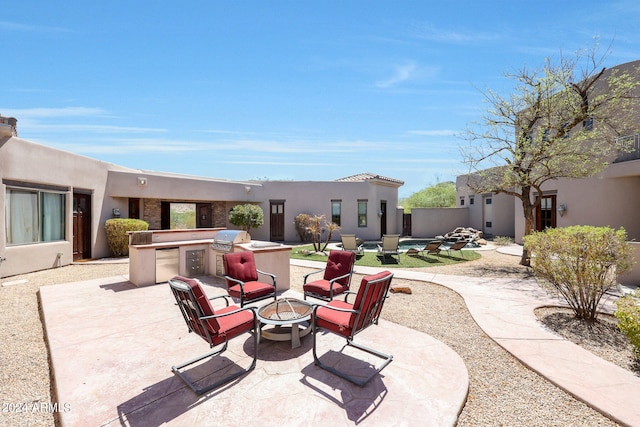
<point>223,243</point>
<point>224,240</point>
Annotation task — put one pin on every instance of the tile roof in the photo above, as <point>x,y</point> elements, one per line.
<point>367,176</point>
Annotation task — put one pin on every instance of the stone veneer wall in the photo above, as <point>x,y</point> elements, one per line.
<point>219,210</point>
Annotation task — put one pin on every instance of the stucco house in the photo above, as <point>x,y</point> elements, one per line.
<point>55,203</point>
<point>610,198</point>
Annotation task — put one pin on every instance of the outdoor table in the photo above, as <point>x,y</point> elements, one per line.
<point>286,315</point>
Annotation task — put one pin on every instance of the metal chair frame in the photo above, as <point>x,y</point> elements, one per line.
<point>331,282</point>
<point>189,307</point>
<point>370,316</point>
<point>457,246</point>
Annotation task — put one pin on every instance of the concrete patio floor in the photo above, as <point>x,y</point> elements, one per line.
<point>112,345</point>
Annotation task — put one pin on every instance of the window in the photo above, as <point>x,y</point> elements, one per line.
<point>471,200</point>
<point>488,201</point>
<point>587,124</point>
<point>362,213</point>
<point>34,216</point>
<point>461,201</point>
<point>488,224</point>
<point>336,210</point>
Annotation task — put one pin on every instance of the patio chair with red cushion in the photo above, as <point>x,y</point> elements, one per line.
<point>242,278</point>
<point>336,279</point>
<point>216,327</point>
<point>347,320</point>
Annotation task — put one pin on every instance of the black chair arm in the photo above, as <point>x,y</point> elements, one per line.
<point>347,293</point>
<point>215,316</point>
<point>346,310</point>
<point>309,274</point>
<point>344,276</point>
<point>273,276</point>
<point>226,299</point>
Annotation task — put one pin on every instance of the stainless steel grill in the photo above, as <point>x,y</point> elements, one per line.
<point>225,239</point>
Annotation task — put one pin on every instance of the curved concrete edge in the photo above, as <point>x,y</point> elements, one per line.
<point>504,310</point>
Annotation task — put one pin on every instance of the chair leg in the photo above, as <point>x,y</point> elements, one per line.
<point>386,359</point>
<point>199,391</point>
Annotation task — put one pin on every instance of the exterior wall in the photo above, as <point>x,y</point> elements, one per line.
<point>503,208</point>
<point>432,222</point>
<point>314,198</point>
<point>112,186</point>
<point>34,164</point>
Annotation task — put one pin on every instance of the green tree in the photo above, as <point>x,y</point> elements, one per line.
<point>441,195</point>
<point>247,216</point>
<point>561,121</point>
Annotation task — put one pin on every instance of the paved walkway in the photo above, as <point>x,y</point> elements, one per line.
<point>112,345</point>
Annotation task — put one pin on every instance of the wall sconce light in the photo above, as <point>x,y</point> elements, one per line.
<point>142,181</point>
<point>562,209</point>
<point>247,189</point>
<point>116,213</point>
<point>380,213</point>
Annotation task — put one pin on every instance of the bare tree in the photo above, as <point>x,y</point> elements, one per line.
<point>562,120</point>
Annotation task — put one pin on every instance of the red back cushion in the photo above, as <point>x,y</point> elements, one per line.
<point>240,266</point>
<point>367,298</point>
<point>201,299</point>
<point>339,264</point>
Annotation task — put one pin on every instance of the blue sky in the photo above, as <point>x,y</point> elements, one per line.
<point>282,90</point>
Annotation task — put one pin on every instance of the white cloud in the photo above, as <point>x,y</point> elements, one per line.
<point>409,71</point>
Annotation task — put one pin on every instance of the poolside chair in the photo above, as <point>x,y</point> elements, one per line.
<point>457,246</point>
<point>390,246</point>
<point>216,327</point>
<point>347,320</point>
<point>242,278</point>
<point>336,279</point>
<point>350,243</point>
<point>433,248</point>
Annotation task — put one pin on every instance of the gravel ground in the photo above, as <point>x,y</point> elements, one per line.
<point>502,391</point>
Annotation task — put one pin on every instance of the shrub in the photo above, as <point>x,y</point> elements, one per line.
<point>117,236</point>
<point>302,223</point>
<point>247,216</point>
<point>502,240</point>
<point>628,315</point>
<point>580,263</point>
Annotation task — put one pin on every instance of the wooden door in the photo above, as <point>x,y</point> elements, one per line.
<point>276,221</point>
<point>383,218</point>
<point>546,213</point>
<point>81,226</point>
<point>203,215</point>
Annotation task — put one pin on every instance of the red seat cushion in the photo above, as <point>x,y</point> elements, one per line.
<point>321,287</point>
<point>336,321</point>
<point>252,290</point>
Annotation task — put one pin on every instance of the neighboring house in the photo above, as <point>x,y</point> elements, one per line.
<point>610,198</point>
<point>55,203</point>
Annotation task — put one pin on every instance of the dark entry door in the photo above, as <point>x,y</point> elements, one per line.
<point>81,226</point>
<point>203,215</point>
<point>276,221</point>
<point>383,218</point>
<point>546,213</point>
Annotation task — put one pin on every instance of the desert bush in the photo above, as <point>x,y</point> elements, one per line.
<point>319,225</point>
<point>628,315</point>
<point>117,237</point>
<point>580,263</point>
<point>247,216</point>
<point>302,223</point>
<point>502,240</point>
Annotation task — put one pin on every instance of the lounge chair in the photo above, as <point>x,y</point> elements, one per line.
<point>457,246</point>
<point>390,246</point>
<point>346,319</point>
<point>350,243</point>
<point>433,248</point>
